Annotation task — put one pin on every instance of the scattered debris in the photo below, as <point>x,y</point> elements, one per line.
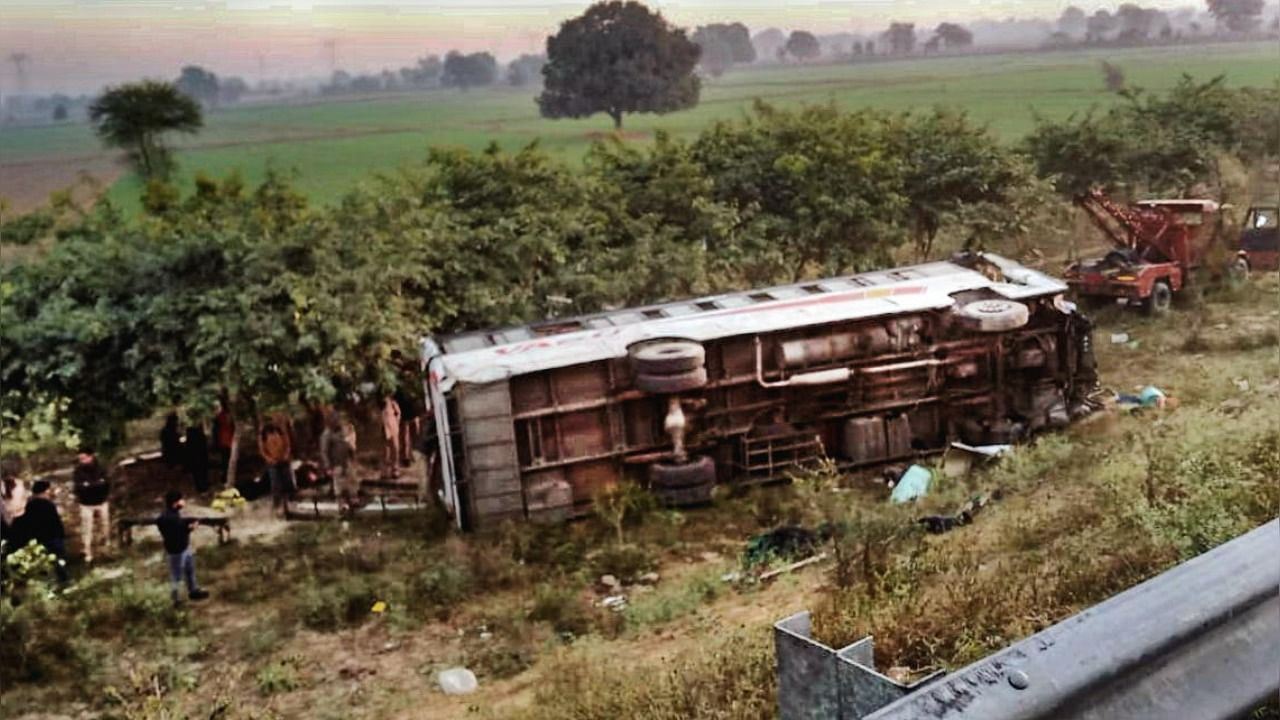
<point>616,603</point>
<point>1119,338</point>
<point>610,582</point>
<point>961,458</point>
<point>1242,384</point>
<point>1150,396</point>
<point>732,576</point>
<point>457,681</point>
<point>787,542</point>
<point>649,578</point>
<point>914,483</point>
<point>938,524</point>
<point>792,567</point>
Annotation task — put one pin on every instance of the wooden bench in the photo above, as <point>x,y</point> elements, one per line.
<point>220,523</point>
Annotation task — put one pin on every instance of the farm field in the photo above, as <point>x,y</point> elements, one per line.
<point>334,143</point>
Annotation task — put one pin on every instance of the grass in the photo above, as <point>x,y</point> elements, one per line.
<point>333,144</point>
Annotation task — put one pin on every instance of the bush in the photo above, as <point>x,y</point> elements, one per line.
<point>439,587</point>
<point>279,676</point>
<point>562,607</point>
<point>342,602</point>
<point>132,608</point>
<point>625,562</point>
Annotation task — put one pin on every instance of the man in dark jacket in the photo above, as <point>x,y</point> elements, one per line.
<point>176,532</point>
<point>197,456</point>
<point>92,492</point>
<point>42,523</point>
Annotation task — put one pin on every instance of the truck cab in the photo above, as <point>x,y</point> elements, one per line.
<point>1260,239</point>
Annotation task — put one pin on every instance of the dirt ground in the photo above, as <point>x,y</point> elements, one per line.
<point>27,185</point>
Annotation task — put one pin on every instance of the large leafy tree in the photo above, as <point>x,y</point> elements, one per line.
<point>802,45</point>
<point>136,116</point>
<point>815,190</point>
<point>618,58</point>
<point>724,45</point>
<point>199,84</point>
<point>468,71</point>
<point>953,36</point>
<point>1238,16</point>
<point>901,38</point>
<point>952,169</point>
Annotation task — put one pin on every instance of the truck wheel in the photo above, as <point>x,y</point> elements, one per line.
<point>674,476</point>
<point>1238,272</point>
<point>679,382</point>
<point>666,357</point>
<point>1161,299</point>
<point>684,497</point>
<point>994,315</point>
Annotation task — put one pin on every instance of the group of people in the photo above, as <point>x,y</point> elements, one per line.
<point>191,453</point>
<point>33,516</point>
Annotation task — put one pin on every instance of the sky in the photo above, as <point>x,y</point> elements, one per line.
<point>81,45</point>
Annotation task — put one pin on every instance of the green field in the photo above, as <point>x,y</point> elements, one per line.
<point>334,144</point>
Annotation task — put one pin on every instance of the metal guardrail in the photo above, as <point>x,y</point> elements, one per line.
<point>1201,641</point>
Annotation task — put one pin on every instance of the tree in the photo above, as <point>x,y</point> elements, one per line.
<point>953,36</point>
<point>616,58</point>
<point>526,70</point>
<point>1113,77</point>
<point>1238,16</point>
<point>1099,26</point>
<point>425,73</point>
<point>951,169</point>
<point>59,112</point>
<point>468,71</point>
<point>231,89</point>
<point>1073,22</point>
<point>198,84</point>
<point>135,118</point>
<point>734,39</point>
<point>802,45</point>
<point>901,38</point>
<point>769,43</point>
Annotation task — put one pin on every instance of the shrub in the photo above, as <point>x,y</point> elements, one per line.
<point>439,587</point>
<point>278,676</point>
<point>625,562</point>
<point>561,607</point>
<point>330,605</point>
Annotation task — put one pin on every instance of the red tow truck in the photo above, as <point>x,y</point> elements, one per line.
<point>1158,245</point>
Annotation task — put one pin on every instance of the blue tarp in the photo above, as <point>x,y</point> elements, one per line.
<point>913,484</point>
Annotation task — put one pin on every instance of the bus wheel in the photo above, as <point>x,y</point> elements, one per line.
<point>666,357</point>
<point>1160,300</point>
<point>675,383</point>
<point>994,315</point>
<point>1238,272</point>
<point>674,476</point>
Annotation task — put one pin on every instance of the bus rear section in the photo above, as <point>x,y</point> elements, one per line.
<point>534,421</point>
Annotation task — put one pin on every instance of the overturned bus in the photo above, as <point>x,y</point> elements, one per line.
<point>533,421</point>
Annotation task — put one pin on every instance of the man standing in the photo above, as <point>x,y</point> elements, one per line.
<point>224,436</point>
<point>176,532</point>
<point>93,492</point>
<point>409,417</point>
<point>197,455</point>
<point>337,448</point>
<point>42,523</point>
<point>390,437</point>
<point>276,451</point>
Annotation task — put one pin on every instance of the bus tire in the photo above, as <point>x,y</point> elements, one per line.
<point>1160,299</point>
<point>679,382</point>
<point>684,497</point>
<point>994,315</point>
<point>674,476</point>
<point>666,357</point>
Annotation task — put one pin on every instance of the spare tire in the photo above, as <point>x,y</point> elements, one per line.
<point>683,497</point>
<point>994,315</point>
<point>670,476</point>
<point>666,357</point>
<point>679,382</point>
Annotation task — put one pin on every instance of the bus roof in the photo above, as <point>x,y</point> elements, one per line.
<point>491,355</point>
